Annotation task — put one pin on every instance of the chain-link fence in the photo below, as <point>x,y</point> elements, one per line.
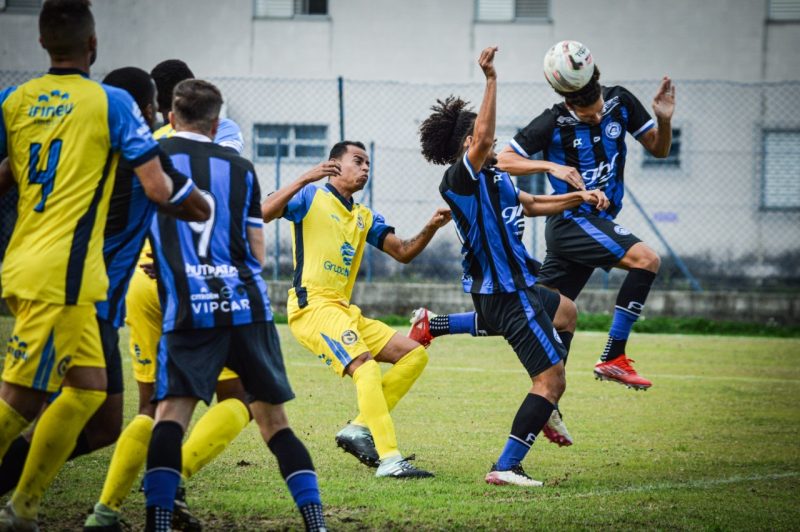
<point>723,210</point>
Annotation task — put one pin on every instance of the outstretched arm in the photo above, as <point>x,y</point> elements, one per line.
<point>515,164</point>
<point>405,250</point>
<point>659,139</point>
<point>483,132</point>
<point>546,205</point>
<point>273,206</point>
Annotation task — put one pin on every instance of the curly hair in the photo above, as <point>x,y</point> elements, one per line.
<point>586,95</point>
<point>442,134</point>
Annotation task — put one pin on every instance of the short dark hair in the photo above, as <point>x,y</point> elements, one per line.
<point>586,95</point>
<point>65,27</point>
<point>136,81</point>
<point>197,103</point>
<point>442,134</point>
<point>340,148</point>
<point>167,74</point>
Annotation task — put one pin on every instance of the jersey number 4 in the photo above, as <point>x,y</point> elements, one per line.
<point>45,177</point>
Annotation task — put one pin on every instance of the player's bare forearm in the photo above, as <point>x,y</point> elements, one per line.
<point>515,164</point>
<point>273,206</point>
<point>483,130</point>
<point>6,177</point>
<point>405,250</point>
<point>194,208</point>
<point>255,237</point>
<point>546,205</point>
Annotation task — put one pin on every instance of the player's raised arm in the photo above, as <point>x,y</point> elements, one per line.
<point>546,205</point>
<point>274,205</point>
<point>512,162</point>
<point>659,139</point>
<point>483,133</point>
<point>405,250</point>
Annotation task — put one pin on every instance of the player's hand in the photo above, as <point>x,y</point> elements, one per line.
<point>486,61</point>
<point>570,175</point>
<point>441,217</point>
<point>664,101</point>
<point>597,198</point>
<point>328,168</point>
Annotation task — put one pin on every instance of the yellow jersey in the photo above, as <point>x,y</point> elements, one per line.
<point>63,134</point>
<point>328,237</point>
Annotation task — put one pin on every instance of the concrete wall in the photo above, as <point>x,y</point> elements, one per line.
<point>394,298</point>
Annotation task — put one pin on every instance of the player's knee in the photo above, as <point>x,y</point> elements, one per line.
<point>418,357</point>
<point>566,316</point>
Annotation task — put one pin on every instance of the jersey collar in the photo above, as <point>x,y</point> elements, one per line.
<point>67,72</point>
<point>191,135</point>
<point>347,203</point>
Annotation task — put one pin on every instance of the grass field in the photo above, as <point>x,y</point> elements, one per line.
<point>715,444</point>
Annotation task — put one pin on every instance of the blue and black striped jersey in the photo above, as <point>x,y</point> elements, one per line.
<point>129,217</point>
<point>208,275</point>
<point>597,152</point>
<point>489,221</point>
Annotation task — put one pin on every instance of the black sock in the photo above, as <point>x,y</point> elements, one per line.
<point>162,475</point>
<point>290,452</point>
<point>440,325</point>
<point>532,415</point>
<point>301,479</point>
<point>12,464</point>
<point>566,339</point>
<point>630,303</point>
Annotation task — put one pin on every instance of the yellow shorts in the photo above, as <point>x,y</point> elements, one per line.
<point>47,340</point>
<point>144,319</point>
<point>337,334</point>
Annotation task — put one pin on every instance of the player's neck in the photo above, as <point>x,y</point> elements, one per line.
<point>346,194</point>
<point>72,63</point>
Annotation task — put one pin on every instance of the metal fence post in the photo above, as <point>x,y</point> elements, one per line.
<point>341,108</point>
<point>370,202</point>
<point>277,258</point>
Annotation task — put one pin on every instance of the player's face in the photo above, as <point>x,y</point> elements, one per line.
<point>591,114</point>
<point>355,168</point>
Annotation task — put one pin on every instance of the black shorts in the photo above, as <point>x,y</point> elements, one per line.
<point>189,362</point>
<point>578,245</point>
<point>522,318</point>
<point>109,339</point>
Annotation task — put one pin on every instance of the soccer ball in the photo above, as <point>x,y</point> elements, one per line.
<point>568,66</point>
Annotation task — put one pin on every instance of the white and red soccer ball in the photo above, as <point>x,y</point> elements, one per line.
<point>568,66</point>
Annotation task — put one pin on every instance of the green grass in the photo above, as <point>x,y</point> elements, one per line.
<point>715,444</point>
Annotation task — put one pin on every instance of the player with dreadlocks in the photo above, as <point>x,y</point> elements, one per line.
<point>498,271</point>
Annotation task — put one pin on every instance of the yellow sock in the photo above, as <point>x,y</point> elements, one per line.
<point>399,379</point>
<point>12,423</point>
<point>372,405</point>
<point>53,440</point>
<point>128,459</point>
<point>212,433</point>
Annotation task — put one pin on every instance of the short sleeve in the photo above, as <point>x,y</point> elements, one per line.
<point>229,135</point>
<point>298,206</point>
<point>254,218</point>
<point>4,94</point>
<point>182,185</point>
<point>536,136</point>
<point>129,134</point>
<point>378,231</point>
<point>639,120</point>
<point>461,177</point>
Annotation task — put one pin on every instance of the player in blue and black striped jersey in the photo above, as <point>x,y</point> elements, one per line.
<point>582,142</point>
<point>498,271</point>
<point>216,311</point>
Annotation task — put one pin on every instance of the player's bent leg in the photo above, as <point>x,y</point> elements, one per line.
<point>426,325</point>
<point>642,264</point>
<point>294,462</point>
<point>212,433</point>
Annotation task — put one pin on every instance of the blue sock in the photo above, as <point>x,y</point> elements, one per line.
<point>303,487</point>
<point>622,324</point>
<point>462,323</point>
<point>513,454</point>
<point>160,486</point>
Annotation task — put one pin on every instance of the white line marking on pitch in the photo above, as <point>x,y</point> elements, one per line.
<point>467,369</point>
<point>692,484</point>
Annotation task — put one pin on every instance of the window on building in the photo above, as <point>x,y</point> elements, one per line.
<point>289,8</point>
<point>673,160</point>
<point>21,6</point>
<point>782,10</point>
<point>512,10</point>
<point>781,159</point>
<point>295,141</point>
